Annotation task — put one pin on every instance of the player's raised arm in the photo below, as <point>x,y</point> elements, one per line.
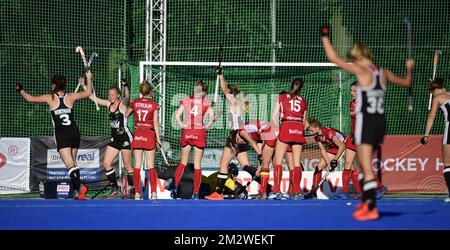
<point>126,93</point>
<point>87,92</point>
<point>128,112</point>
<point>29,98</point>
<point>101,102</point>
<point>333,57</point>
<point>404,82</point>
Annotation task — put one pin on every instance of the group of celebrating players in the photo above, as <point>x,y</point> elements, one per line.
<point>281,138</point>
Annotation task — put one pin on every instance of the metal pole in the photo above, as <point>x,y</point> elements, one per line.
<point>274,32</point>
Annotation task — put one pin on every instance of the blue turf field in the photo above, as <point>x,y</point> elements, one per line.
<point>227,214</point>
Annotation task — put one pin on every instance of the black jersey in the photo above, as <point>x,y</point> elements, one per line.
<point>63,116</point>
<point>370,120</point>
<point>118,122</point>
<point>370,100</point>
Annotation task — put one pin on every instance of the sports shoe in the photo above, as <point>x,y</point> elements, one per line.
<point>115,193</point>
<point>285,196</point>
<point>381,192</point>
<point>341,196</point>
<point>362,213</point>
<point>195,196</point>
<point>298,196</point>
<point>308,196</point>
<point>275,196</point>
<point>214,196</point>
<point>174,192</point>
<point>81,194</point>
<point>153,196</point>
<point>131,192</point>
<point>447,200</point>
<point>137,196</point>
<point>260,196</point>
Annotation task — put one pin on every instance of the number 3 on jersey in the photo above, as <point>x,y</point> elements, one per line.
<point>65,119</point>
<point>295,105</point>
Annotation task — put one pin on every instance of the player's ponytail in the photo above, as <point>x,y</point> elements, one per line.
<point>59,83</point>
<point>313,122</point>
<point>296,87</point>
<point>234,90</point>
<point>145,88</point>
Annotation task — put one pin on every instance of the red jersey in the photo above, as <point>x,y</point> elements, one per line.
<point>144,109</point>
<point>326,138</point>
<point>352,116</point>
<point>256,129</point>
<point>292,108</point>
<point>195,108</point>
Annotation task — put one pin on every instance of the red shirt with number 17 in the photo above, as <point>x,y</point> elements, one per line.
<point>144,109</point>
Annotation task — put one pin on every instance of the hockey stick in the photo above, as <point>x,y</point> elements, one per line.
<point>99,191</point>
<point>163,155</point>
<point>87,65</point>
<point>409,31</point>
<point>435,61</point>
<point>216,89</point>
<point>315,188</point>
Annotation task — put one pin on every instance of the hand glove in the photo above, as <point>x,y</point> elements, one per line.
<point>218,70</point>
<point>333,165</point>
<point>19,87</point>
<point>325,30</point>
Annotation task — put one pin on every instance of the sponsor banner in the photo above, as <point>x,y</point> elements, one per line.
<point>409,167</point>
<point>14,165</point>
<point>47,163</point>
<point>87,160</point>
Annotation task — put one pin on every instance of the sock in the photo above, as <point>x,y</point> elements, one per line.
<point>111,174</point>
<point>250,170</point>
<point>221,179</point>
<point>197,180</point>
<point>277,174</point>
<point>447,178</point>
<point>345,180</point>
<point>317,177</point>
<point>379,185</point>
<point>130,179</point>
<point>354,177</point>
<point>297,179</point>
<point>361,183</point>
<point>291,181</point>
<point>264,179</point>
<point>370,190</point>
<point>179,173</point>
<point>137,180</point>
<point>153,176</point>
<point>74,174</point>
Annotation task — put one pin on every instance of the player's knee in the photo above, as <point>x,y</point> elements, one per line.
<point>107,164</point>
<point>348,165</point>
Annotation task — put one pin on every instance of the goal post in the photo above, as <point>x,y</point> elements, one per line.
<point>326,91</point>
